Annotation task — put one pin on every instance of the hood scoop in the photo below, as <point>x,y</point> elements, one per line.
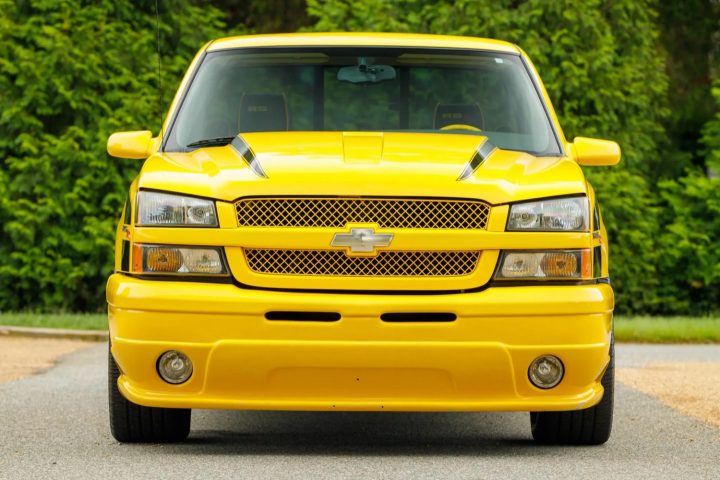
<point>362,147</point>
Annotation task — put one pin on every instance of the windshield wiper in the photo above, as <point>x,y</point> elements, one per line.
<point>211,142</point>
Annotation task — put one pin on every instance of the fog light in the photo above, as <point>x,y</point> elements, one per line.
<point>546,371</point>
<point>520,265</point>
<point>167,259</point>
<point>174,367</point>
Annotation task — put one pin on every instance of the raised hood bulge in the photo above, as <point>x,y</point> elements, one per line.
<point>362,164</point>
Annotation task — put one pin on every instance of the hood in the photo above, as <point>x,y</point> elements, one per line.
<point>362,164</point>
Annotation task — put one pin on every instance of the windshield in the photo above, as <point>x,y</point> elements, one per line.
<point>363,89</point>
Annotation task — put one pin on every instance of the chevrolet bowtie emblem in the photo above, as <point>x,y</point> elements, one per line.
<point>362,240</point>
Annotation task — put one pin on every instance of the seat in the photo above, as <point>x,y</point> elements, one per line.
<point>458,113</point>
<point>263,112</point>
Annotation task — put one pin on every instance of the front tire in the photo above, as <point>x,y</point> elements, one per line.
<point>591,426</point>
<point>132,423</point>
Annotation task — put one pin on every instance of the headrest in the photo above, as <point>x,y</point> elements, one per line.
<point>263,112</point>
<point>454,113</point>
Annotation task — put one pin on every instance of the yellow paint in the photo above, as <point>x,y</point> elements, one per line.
<point>135,145</point>
<point>596,152</point>
<point>411,164</point>
<point>241,360</point>
<point>362,39</point>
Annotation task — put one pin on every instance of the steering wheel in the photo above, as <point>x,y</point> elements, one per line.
<point>460,126</point>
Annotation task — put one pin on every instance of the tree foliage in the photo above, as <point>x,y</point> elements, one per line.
<point>689,252</point>
<point>73,71</point>
<point>711,134</point>
<point>689,35</point>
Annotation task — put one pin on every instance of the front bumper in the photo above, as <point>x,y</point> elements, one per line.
<point>243,361</point>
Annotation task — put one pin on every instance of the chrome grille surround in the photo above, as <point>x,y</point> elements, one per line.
<point>387,263</point>
<point>385,212</point>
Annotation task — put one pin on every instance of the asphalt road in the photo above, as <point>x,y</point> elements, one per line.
<point>54,425</point>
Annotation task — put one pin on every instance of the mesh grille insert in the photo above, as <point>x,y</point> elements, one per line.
<point>338,212</point>
<point>388,263</point>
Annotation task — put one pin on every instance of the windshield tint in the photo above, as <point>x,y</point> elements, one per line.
<point>363,89</point>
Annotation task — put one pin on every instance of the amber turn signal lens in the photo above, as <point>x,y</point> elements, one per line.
<point>172,260</point>
<point>561,264</point>
<point>160,259</point>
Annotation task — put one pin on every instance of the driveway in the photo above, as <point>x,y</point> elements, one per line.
<point>54,425</point>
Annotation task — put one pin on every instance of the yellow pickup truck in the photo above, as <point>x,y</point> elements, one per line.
<point>361,222</point>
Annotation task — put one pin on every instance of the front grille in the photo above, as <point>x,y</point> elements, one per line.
<point>338,212</point>
<point>387,263</point>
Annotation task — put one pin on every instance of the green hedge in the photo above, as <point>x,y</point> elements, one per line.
<point>72,72</point>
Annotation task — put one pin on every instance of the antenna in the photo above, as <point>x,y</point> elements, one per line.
<point>159,68</point>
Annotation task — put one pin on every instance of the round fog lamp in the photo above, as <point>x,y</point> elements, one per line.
<point>174,367</point>
<point>546,371</point>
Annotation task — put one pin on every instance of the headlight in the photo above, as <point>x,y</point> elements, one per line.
<point>172,260</point>
<point>154,208</point>
<point>558,214</point>
<point>546,265</point>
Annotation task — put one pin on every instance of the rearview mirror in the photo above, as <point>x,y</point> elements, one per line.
<point>138,145</point>
<point>596,152</point>
<point>366,73</point>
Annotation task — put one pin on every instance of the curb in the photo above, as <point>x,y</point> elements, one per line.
<point>87,335</point>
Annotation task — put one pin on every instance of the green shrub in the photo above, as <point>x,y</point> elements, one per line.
<point>689,245</point>
<point>711,134</point>
<point>72,72</point>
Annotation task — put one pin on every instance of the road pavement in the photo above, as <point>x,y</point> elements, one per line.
<point>54,425</point>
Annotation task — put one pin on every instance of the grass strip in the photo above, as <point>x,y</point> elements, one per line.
<point>73,321</point>
<point>667,329</point>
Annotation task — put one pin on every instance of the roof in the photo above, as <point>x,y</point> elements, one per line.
<point>343,39</point>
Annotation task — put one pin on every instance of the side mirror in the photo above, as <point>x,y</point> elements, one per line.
<point>138,145</point>
<point>596,152</point>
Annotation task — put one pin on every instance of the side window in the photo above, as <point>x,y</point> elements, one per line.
<point>596,216</point>
<point>127,217</point>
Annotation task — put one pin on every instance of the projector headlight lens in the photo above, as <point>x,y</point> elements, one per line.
<point>166,209</point>
<point>558,214</point>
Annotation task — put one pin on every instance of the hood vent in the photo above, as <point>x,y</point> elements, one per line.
<point>482,153</point>
<point>241,147</point>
